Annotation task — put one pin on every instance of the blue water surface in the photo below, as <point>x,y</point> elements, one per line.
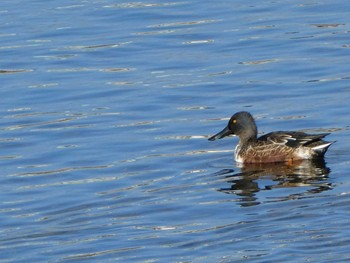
<point>106,110</point>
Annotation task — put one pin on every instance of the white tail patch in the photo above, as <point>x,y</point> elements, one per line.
<point>321,147</point>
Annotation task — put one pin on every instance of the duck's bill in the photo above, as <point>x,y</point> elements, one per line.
<point>225,132</point>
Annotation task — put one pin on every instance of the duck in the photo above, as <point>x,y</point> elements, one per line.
<point>273,147</point>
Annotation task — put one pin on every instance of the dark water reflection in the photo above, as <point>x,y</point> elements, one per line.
<point>310,176</point>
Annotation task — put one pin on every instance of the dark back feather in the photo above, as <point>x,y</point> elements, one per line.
<point>294,139</point>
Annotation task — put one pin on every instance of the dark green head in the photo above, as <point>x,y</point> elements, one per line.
<point>241,124</point>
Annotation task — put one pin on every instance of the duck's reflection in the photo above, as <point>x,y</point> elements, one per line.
<point>309,176</point>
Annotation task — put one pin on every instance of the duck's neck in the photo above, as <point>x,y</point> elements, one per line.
<point>248,137</point>
<point>246,140</point>
<point>249,133</point>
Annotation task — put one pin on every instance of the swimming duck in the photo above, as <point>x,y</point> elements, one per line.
<point>280,146</point>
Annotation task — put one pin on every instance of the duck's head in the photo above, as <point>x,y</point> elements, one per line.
<point>241,124</point>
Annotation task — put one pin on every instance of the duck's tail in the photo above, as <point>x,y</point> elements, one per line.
<point>321,149</point>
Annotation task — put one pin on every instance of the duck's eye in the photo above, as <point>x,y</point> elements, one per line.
<point>234,121</point>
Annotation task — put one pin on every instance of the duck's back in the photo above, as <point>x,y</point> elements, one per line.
<point>294,138</point>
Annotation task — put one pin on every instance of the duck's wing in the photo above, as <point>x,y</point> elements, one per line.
<point>292,139</point>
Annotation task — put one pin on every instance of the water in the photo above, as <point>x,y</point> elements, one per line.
<point>106,110</point>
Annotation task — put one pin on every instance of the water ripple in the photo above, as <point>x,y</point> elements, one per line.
<point>106,111</point>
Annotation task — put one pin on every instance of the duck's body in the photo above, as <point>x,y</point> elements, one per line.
<point>281,146</point>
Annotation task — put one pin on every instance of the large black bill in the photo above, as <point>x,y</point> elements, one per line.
<point>225,132</point>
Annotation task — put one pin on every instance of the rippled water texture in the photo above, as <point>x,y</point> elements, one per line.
<point>106,107</point>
